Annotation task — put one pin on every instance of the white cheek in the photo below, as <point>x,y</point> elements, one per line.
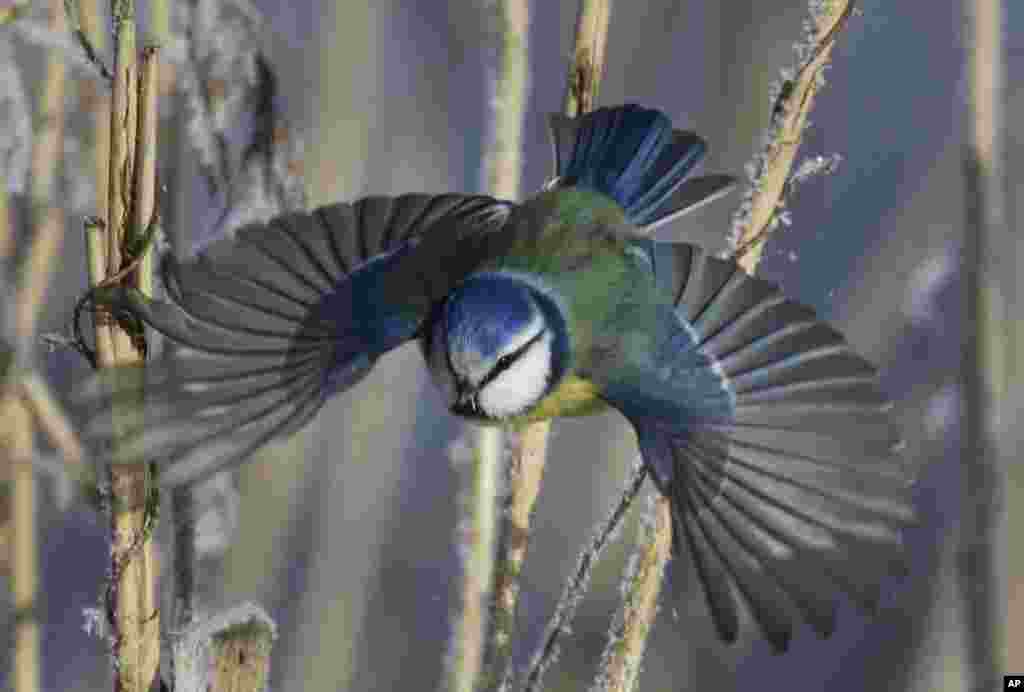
<point>521,386</point>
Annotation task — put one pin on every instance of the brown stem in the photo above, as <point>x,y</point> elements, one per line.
<point>131,601</point>
<point>621,661</point>
<point>758,217</point>
<point>483,631</point>
<point>981,552</point>
<point>529,445</point>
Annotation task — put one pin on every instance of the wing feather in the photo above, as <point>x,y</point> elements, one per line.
<point>775,444</point>
<point>275,319</point>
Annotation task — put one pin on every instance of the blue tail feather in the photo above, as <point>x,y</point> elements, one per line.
<point>629,153</point>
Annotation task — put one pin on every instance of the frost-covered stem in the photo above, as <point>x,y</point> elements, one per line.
<point>487,613</point>
<point>228,652</point>
<point>982,535</point>
<point>477,535</point>
<point>620,664</point>
<point>529,445</point>
<point>756,218</point>
<point>577,585</point>
<point>131,589</point>
<point>526,467</point>
<point>771,170</point>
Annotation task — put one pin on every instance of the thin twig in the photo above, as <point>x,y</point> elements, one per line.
<point>765,197</point>
<point>620,663</point>
<point>577,585</point>
<point>756,218</point>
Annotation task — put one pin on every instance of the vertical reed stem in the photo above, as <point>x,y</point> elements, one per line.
<point>620,666</point>
<point>529,445</point>
<point>132,600</point>
<point>24,549</point>
<point>981,555</point>
<point>758,216</point>
<point>482,642</point>
<point>47,226</point>
<point>755,221</point>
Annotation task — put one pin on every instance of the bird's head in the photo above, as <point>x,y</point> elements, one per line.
<point>496,346</point>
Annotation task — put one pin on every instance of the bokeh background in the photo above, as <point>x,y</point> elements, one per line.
<point>345,533</point>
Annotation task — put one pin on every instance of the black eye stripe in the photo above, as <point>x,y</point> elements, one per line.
<point>505,362</point>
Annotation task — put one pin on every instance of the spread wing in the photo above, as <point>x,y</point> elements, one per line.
<point>278,318</point>
<point>774,444</point>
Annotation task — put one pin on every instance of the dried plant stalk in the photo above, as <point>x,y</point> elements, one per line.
<point>587,66</point>
<point>621,661</point>
<point>144,195</point>
<point>529,445</point>
<point>477,562</point>
<point>981,553</point>
<point>96,99</point>
<point>526,468</point>
<point>33,277</point>
<point>25,572</point>
<point>131,593</point>
<point>242,661</point>
<point>481,643</point>
<point>758,215</point>
<point>755,220</point>
<point>228,652</point>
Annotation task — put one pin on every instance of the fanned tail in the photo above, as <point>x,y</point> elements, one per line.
<point>633,155</point>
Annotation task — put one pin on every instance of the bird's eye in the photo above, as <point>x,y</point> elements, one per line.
<point>504,361</point>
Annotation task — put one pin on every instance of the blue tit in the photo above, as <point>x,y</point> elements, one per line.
<point>769,435</point>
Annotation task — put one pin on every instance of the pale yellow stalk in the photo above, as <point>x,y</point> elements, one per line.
<point>132,594</point>
<point>481,630</point>
<point>34,275</point>
<point>529,445</point>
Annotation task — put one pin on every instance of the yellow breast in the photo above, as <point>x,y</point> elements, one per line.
<point>574,396</point>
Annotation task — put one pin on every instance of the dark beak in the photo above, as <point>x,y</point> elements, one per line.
<point>466,404</point>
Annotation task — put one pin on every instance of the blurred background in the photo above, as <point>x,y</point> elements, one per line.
<point>345,533</point>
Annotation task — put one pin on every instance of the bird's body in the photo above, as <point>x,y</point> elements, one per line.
<point>592,274</point>
<point>768,434</point>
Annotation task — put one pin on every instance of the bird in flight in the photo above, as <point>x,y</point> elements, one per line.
<point>768,434</point>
